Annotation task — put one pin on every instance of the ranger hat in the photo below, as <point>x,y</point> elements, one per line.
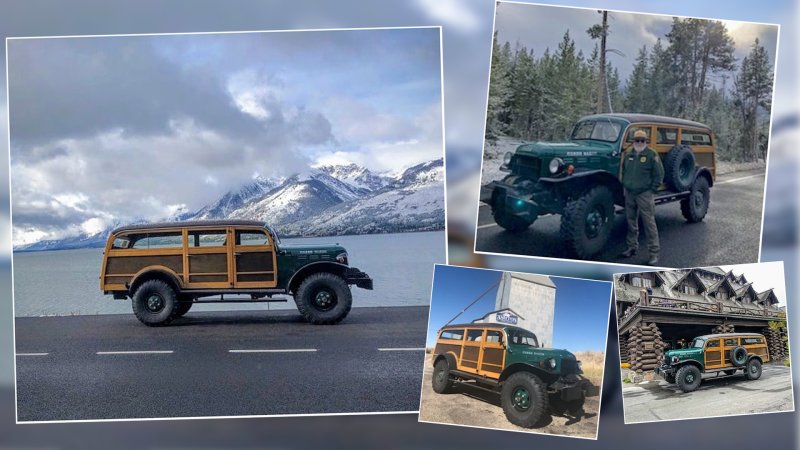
<point>640,134</point>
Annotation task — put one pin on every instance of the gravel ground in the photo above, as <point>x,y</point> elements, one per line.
<point>475,407</point>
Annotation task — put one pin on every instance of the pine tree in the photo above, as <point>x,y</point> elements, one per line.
<point>637,96</point>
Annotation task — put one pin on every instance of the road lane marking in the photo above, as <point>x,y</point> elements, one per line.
<point>32,354</point>
<point>488,225</point>
<point>137,352</point>
<point>406,349</point>
<point>739,179</point>
<point>274,350</point>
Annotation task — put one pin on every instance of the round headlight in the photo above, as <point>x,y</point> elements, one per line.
<point>507,158</point>
<point>341,258</point>
<point>556,164</point>
<point>675,359</point>
<point>552,363</point>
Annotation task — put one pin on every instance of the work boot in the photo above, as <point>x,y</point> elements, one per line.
<point>653,261</point>
<point>628,253</point>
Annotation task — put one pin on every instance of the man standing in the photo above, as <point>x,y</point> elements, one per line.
<point>642,174</point>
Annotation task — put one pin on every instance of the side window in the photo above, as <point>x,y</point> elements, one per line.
<point>207,238</point>
<point>666,135</point>
<point>713,343</point>
<point>689,137</point>
<point>731,342</point>
<point>251,237</point>
<point>453,334</point>
<point>121,242</point>
<point>632,130</point>
<point>475,335</point>
<point>172,239</point>
<point>752,341</point>
<point>495,336</point>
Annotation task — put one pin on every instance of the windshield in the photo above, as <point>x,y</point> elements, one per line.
<point>698,343</point>
<point>522,337</point>
<point>600,130</point>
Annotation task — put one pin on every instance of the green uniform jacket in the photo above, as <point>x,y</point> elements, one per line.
<point>642,172</point>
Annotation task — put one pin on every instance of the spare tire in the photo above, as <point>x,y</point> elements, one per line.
<point>738,356</point>
<point>679,168</point>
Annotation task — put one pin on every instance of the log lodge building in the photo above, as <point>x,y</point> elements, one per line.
<point>657,311</point>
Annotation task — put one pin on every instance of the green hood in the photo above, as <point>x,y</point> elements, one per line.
<point>565,149</point>
<point>684,354</point>
<point>310,249</point>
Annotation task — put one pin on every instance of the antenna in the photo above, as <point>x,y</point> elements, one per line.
<point>474,301</point>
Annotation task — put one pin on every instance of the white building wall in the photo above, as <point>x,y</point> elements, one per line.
<point>533,297</point>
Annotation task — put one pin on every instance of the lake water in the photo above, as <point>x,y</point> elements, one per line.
<point>66,282</point>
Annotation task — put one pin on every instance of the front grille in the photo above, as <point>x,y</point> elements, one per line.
<point>569,366</point>
<point>526,166</point>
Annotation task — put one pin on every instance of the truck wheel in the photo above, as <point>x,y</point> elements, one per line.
<point>688,378</point>
<point>695,207</point>
<point>753,369</point>
<point>679,168</point>
<point>441,378</point>
<point>323,298</point>
<point>524,399</point>
<point>586,222</point>
<point>509,222</point>
<point>155,303</point>
<point>183,308</point>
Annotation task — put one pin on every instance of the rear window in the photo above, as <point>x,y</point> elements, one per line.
<point>475,335</point>
<point>453,334</point>
<point>666,135</point>
<point>208,238</point>
<point>172,239</point>
<point>689,137</point>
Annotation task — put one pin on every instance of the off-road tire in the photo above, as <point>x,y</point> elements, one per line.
<point>752,370</point>
<point>679,157</point>
<point>695,207</point>
<point>183,307</point>
<point>147,295</point>
<point>537,396</point>
<point>688,378</point>
<point>729,372</point>
<point>738,356</point>
<point>594,209</point>
<point>332,285</point>
<point>509,222</point>
<point>440,381</point>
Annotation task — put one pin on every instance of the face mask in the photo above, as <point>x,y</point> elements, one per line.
<point>639,146</point>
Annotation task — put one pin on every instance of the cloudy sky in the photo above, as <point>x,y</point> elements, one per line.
<point>108,128</point>
<point>541,27</point>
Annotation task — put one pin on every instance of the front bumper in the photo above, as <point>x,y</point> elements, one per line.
<point>504,196</point>
<point>570,390</point>
<point>359,278</point>
<point>665,370</point>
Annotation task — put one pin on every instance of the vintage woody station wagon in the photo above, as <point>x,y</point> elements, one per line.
<point>508,359</point>
<point>167,267</point>
<point>715,353</point>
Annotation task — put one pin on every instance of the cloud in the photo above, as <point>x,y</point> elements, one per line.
<point>111,129</point>
<point>453,13</point>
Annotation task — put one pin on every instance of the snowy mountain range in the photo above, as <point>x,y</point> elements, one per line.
<point>326,201</point>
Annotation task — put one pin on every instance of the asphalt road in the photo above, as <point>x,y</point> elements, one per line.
<point>729,234</point>
<point>219,364</point>
<point>717,396</point>
<point>475,407</point>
